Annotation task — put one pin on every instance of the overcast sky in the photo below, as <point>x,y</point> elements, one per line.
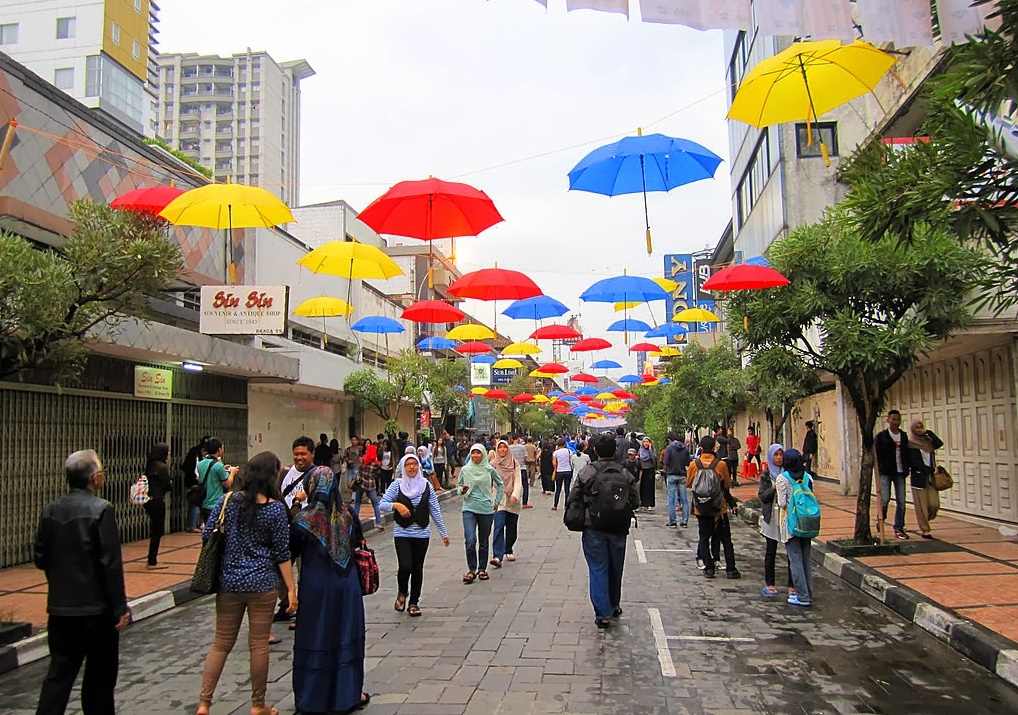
<point>470,90</point>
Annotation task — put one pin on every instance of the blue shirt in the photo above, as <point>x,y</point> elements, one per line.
<point>252,550</point>
<point>414,531</point>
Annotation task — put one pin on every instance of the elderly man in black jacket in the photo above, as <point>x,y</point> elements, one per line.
<point>79,549</point>
<point>893,465</point>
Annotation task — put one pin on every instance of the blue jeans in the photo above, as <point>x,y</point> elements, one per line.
<point>506,524</point>
<point>677,493</point>
<point>899,498</point>
<point>798,551</point>
<point>373,496</point>
<point>193,517</point>
<point>476,532</point>
<point>606,557</point>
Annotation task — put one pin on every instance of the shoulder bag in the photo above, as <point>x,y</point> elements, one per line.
<point>942,479</point>
<point>367,569</point>
<point>210,561</point>
<point>196,494</point>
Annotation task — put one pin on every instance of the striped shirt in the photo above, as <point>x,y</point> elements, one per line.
<point>414,531</point>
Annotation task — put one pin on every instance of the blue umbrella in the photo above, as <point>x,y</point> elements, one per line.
<point>668,330</point>
<point>757,261</point>
<point>581,410</point>
<point>536,308</point>
<point>606,365</point>
<point>437,343</point>
<point>624,289</point>
<point>556,393</point>
<point>634,379</point>
<point>665,381</point>
<point>628,325</point>
<point>588,391</point>
<point>377,324</point>
<point>640,164</point>
<point>568,398</point>
<point>484,359</point>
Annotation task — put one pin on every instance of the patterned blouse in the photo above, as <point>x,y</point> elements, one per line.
<point>367,476</point>
<point>253,551</point>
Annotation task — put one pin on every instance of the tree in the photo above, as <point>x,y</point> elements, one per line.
<point>861,310</point>
<point>446,387</point>
<point>407,377</point>
<point>777,380</point>
<point>511,411</point>
<point>105,273</point>
<point>708,383</point>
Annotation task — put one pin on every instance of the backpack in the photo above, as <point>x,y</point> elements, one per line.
<point>803,508</point>
<point>608,498</point>
<point>707,489</point>
<point>139,491</point>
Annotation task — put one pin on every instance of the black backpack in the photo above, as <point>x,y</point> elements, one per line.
<point>609,498</point>
<point>707,489</point>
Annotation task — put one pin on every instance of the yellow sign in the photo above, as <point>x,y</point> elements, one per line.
<point>153,383</point>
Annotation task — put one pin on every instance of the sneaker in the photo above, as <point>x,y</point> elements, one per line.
<point>717,565</point>
<point>528,506</point>
<point>901,535</point>
<point>794,600</point>
<point>708,573</point>
<point>699,564</point>
<point>684,525</point>
<point>671,524</point>
<point>733,574</point>
<point>157,567</point>
<point>617,611</point>
<point>510,557</point>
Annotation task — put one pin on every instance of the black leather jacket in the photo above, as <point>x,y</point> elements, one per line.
<point>79,549</point>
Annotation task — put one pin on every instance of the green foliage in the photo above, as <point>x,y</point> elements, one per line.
<point>50,301</point>
<point>511,411</point>
<point>444,376</point>
<point>408,375</point>
<point>203,170</point>
<point>776,381</point>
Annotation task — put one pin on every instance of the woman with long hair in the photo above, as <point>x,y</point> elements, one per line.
<point>648,473</point>
<point>440,459</point>
<point>414,505</point>
<point>159,482</point>
<point>482,490</point>
<point>507,518</point>
<point>329,642</point>
<point>546,461</point>
<point>769,527</point>
<point>257,550</point>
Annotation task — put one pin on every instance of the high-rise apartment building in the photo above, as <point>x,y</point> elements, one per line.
<point>239,116</point>
<point>101,52</point>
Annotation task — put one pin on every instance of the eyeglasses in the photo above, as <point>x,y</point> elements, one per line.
<point>100,473</point>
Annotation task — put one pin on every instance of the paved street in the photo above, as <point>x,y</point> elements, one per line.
<point>525,642</point>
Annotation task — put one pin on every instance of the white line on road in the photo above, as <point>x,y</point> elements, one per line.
<point>664,655</point>
<point>712,639</point>
<point>670,551</point>
<point>641,555</point>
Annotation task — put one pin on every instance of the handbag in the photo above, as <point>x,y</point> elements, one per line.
<point>210,561</point>
<point>942,480</point>
<point>367,569</point>
<point>139,491</point>
<point>196,494</point>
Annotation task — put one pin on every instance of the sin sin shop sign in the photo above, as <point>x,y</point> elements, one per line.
<point>243,310</point>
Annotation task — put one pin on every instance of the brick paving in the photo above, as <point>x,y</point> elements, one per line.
<point>525,642</point>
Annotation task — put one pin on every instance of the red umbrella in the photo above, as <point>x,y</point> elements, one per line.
<point>431,209</point>
<point>523,397</point>
<point>745,276</point>
<point>590,344</point>
<point>562,408</point>
<point>555,332</point>
<point>596,405</point>
<point>585,398</point>
<point>497,395</point>
<point>644,348</point>
<point>583,377</point>
<point>494,284</point>
<point>148,199</point>
<point>474,348</point>
<point>648,378</point>
<point>432,311</point>
<point>623,395</point>
<point>553,368</point>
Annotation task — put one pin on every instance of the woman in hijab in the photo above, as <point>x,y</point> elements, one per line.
<point>769,526</point>
<point>798,548</point>
<point>507,517</point>
<point>648,469</point>
<point>922,462</point>
<point>428,466</point>
<point>414,506</point>
<point>328,647</point>
<point>547,466</point>
<point>482,489</point>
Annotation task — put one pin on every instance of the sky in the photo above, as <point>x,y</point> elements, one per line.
<point>507,97</point>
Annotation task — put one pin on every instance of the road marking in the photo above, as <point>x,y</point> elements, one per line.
<point>641,555</point>
<point>664,655</point>
<point>670,551</point>
<point>712,639</point>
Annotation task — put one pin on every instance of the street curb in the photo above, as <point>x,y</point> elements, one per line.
<point>991,650</point>
<point>35,647</point>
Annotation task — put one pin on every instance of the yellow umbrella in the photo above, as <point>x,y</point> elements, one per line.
<point>541,399</point>
<point>696,315</point>
<point>350,260</point>
<point>507,362</point>
<point>538,373</point>
<point>806,80</point>
<point>227,206</point>
<point>606,396</point>
<point>479,391</point>
<point>324,307</point>
<point>667,351</point>
<point>520,349</point>
<point>628,305</point>
<point>666,283</point>
<point>470,331</point>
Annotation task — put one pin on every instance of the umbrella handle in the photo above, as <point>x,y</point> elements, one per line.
<point>650,246</point>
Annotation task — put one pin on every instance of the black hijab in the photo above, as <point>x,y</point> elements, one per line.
<point>794,465</point>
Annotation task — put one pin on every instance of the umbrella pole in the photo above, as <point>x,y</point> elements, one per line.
<point>231,270</point>
<point>813,111</point>
<point>646,214</point>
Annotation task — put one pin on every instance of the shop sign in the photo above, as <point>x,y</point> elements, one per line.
<point>243,310</point>
<point>153,383</point>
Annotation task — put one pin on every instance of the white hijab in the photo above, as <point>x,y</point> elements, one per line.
<point>412,487</point>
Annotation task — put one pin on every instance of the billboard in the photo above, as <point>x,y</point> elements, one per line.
<point>480,374</point>
<point>243,310</point>
<point>503,375</point>
<point>679,268</point>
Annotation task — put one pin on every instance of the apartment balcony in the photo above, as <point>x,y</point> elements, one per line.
<point>224,132</point>
<point>189,133</point>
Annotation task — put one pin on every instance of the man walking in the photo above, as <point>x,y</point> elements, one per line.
<point>78,547</point>
<point>892,464</point>
<point>712,500</point>
<point>810,446</point>
<point>352,459</point>
<point>732,456</point>
<point>676,462</point>
<point>519,452</point>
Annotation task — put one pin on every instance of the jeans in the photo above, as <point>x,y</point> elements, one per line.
<point>373,496</point>
<point>230,608</point>
<point>476,532</point>
<point>73,639</point>
<point>410,555</point>
<point>606,558</point>
<point>770,558</point>
<point>899,498</point>
<point>562,480</point>
<point>802,570</point>
<point>440,474</point>
<point>678,495</point>
<point>156,510</point>
<point>526,487</point>
<point>713,536</point>
<point>506,530</point>
<point>193,517</point>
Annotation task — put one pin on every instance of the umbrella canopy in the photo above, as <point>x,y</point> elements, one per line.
<point>644,348</point>
<point>147,200</point>
<point>521,349</point>
<point>553,368</point>
<point>556,393</point>
<point>494,284</point>
<point>541,399</point>
<point>436,343</point>
<point>626,305</point>
<point>628,325</point>
<point>474,348</point>
<point>523,397</point>
<point>479,391</point>
<point>607,396</point>
<point>623,395</point>
<point>605,365</point>
<point>538,373</point>
<point>568,398</point>
<point>745,277</point>
<point>695,315</point>
<point>584,377</point>
<point>555,332</point>
<point>668,330</point>
<point>323,307</point>
<point>668,351</point>
<point>630,380</point>
<point>640,164</point>
<point>507,363</point>
<point>624,289</point>
<point>537,308</point>
<point>497,395</point>
<point>586,392</point>
<point>351,260</point>
<point>377,324</point>
<point>589,344</point>
<point>666,283</point>
<point>470,331</point>
<point>432,311</point>
<point>665,381</point>
<point>484,359</point>
<point>648,379</point>
<point>431,209</point>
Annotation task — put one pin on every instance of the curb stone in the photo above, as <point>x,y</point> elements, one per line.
<point>991,650</point>
<point>35,647</point>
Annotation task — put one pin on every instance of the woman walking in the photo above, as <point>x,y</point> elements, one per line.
<point>797,548</point>
<point>385,467</point>
<point>545,457</point>
<point>367,483</point>
<point>159,482</point>
<point>440,459</point>
<point>328,646</point>
<point>648,473</point>
<point>922,462</point>
<point>507,518</point>
<point>428,466</point>
<point>769,527</point>
<point>257,550</point>
<point>414,505</point>
<point>563,471</point>
<point>482,489</point>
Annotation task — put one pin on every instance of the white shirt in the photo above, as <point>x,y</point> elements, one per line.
<point>561,456</point>
<point>292,476</point>
<point>897,450</point>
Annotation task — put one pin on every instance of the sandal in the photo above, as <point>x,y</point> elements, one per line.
<point>275,640</point>
<point>483,575</point>
<point>400,604</point>
<point>265,711</point>
<point>770,591</point>
<point>204,708</point>
<point>469,577</point>
<point>414,611</point>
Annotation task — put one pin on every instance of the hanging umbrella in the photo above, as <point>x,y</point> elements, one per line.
<point>665,381</point>
<point>668,351</point>
<point>483,359</point>
<point>537,308</point>
<point>584,377</point>
<point>350,260</point>
<point>628,325</point>
<point>622,394</point>
<point>523,397</point>
<point>667,284</point>
<point>630,380</point>
<point>568,398</point>
<point>555,332</point>
<point>640,164</point>
<point>480,391</point>
<point>432,311</point>
<point>494,284</point>
<point>538,373</point>
<point>695,315</point>
<point>521,349</point>
<point>147,200</point>
<point>227,206</point>
<point>437,343</point>
<point>745,277</point>
<point>583,392</point>
<point>589,344</point>
<point>553,368</point>
<point>624,288</point>
<point>323,307</point>
<point>644,348</point>
<point>605,365</point>
<point>606,396</point>
<point>474,348</point>
<point>507,363</point>
<point>667,330</point>
<point>626,305</point>
<point>806,80</point>
<point>648,379</point>
<point>379,325</point>
<point>541,399</point>
<point>497,395</point>
<point>470,331</point>
<point>556,393</point>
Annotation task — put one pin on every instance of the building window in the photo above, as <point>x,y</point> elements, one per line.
<point>751,186</point>
<point>826,132</point>
<point>305,338</point>
<point>63,78</point>
<point>65,28</point>
<point>137,5</point>
<point>135,49</point>
<point>9,34</point>
<point>115,34</point>
<point>93,75</point>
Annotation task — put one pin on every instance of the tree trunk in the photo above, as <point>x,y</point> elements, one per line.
<point>862,503</point>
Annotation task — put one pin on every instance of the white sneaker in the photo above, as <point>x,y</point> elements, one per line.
<point>699,564</point>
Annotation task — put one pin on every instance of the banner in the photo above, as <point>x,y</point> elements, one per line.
<point>706,327</point>
<point>780,17</point>
<point>699,14</point>
<point>480,374</point>
<point>702,270</point>
<point>958,19</point>
<point>503,375</point>
<point>830,20</point>
<point>906,23</point>
<point>243,310</point>
<point>621,6</point>
<point>153,383</point>
<point>679,268</point>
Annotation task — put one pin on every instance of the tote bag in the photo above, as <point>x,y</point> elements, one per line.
<point>210,560</point>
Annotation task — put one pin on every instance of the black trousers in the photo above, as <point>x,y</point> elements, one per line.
<point>440,474</point>
<point>410,555</point>
<point>156,510</point>
<point>526,487</point>
<point>770,557</point>
<point>715,535</point>
<point>73,639</point>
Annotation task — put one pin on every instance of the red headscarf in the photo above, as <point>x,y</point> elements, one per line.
<point>370,454</point>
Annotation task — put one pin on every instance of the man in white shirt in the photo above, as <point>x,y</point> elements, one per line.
<point>294,496</point>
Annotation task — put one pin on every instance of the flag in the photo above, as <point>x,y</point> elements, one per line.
<point>600,5</point>
<point>906,23</point>
<point>829,20</point>
<point>781,17</point>
<point>699,14</point>
<point>958,19</point>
